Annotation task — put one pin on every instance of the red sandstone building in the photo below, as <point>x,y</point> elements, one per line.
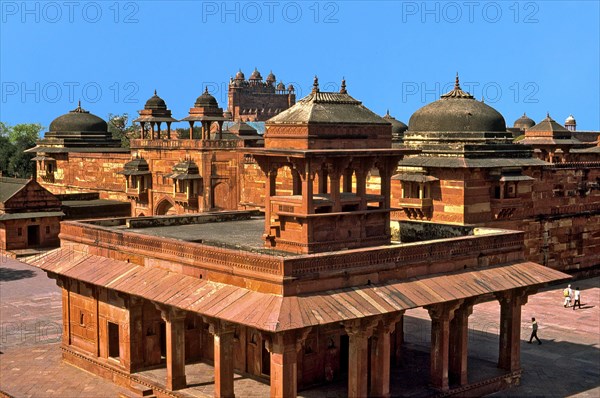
<point>470,172</point>
<point>312,293</point>
<point>29,215</point>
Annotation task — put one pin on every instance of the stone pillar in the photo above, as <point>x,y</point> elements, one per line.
<point>459,336</point>
<point>191,129</point>
<point>175,328</point>
<point>361,187</point>
<point>398,342</point>
<point>334,177</point>
<point>284,348</point>
<point>307,190</point>
<point>136,333</point>
<point>223,333</point>
<point>380,356</point>
<point>441,315</point>
<point>270,190</point>
<point>358,356</point>
<point>509,356</point>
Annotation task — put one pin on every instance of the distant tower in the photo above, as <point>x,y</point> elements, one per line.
<point>570,123</point>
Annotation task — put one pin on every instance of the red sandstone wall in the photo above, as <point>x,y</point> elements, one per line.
<point>89,172</point>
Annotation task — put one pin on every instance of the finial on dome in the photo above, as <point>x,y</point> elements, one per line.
<point>482,99</point>
<point>343,87</point>
<point>315,85</point>
<point>548,115</point>
<point>387,112</point>
<point>79,104</point>
<point>155,92</point>
<point>457,82</point>
<point>205,89</point>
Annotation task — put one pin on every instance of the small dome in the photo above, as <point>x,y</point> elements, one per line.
<point>524,122</point>
<point>78,120</point>
<point>570,121</point>
<point>271,78</point>
<point>240,75</point>
<point>457,111</point>
<point>206,100</point>
<point>155,102</point>
<point>398,128</point>
<point>291,87</point>
<point>255,75</point>
<point>281,86</point>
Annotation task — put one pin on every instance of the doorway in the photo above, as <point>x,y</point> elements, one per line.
<point>33,235</point>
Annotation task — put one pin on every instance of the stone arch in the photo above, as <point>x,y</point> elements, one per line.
<point>165,207</point>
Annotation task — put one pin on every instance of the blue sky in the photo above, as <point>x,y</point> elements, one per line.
<point>520,56</point>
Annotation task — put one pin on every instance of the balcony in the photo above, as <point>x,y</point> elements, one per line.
<point>417,208</point>
<point>137,195</point>
<point>186,200</point>
<point>46,176</point>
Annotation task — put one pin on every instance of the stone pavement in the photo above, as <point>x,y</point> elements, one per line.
<point>566,364</point>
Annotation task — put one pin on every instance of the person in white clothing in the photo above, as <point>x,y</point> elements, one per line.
<point>568,293</point>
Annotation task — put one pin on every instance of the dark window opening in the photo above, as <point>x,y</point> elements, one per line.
<point>113,340</point>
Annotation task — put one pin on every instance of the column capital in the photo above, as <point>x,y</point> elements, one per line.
<point>514,295</point>
<point>169,313</point>
<point>285,341</point>
<point>443,311</point>
<point>361,327</point>
<point>218,327</point>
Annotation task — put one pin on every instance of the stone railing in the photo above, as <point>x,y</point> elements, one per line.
<point>573,165</point>
<point>226,259</point>
<point>186,144</point>
<point>410,253</point>
<point>191,253</point>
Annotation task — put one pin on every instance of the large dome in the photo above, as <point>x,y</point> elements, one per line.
<point>457,111</point>
<point>78,120</point>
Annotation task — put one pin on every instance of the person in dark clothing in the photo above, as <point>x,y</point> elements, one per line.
<point>534,329</point>
<point>577,298</point>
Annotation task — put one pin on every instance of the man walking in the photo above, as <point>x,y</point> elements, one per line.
<point>577,298</point>
<point>534,329</point>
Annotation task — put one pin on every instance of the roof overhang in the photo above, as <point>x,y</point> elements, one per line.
<point>274,313</point>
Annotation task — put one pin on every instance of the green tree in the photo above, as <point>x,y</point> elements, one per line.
<point>120,130</point>
<point>14,140</point>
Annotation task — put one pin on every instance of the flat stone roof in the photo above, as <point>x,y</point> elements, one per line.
<point>235,234</point>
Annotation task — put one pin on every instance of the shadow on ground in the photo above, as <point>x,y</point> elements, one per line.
<point>8,275</point>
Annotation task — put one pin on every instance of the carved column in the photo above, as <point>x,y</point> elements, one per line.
<point>380,356</point>
<point>441,315</point>
<point>358,332</point>
<point>509,356</point>
<point>284,348</point>
<point>223,333</point>
<point>175,344</point>
<point>459,336</point>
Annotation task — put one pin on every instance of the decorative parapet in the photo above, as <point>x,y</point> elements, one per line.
<point>186,144</point>
<point>275,267</point>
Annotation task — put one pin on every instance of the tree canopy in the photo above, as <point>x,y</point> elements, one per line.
<point>14,140</point>
<point>119,127</point>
